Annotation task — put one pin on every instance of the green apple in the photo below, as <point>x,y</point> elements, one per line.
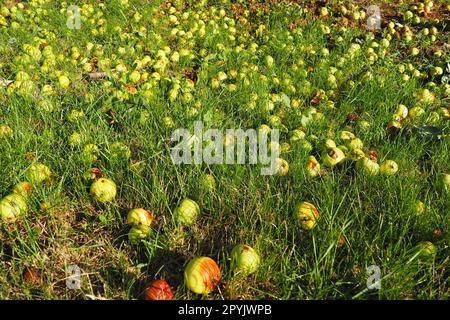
<point>244,259</point>
<point>207,182</point>
<point>388,168</point>
<point>416,113</point>
<point>119,151</point>
<point>446,181</point>
<point>307,215</point>
<point>5,131</point>
<point>202,275</point>
<point>346,136</point>
<point>402,111</point>
<point>104,190</point>
<point>136,234</point>
<point>64,82</point>
<point>90,153</point>
<point>140,218</point>
<point>12,207</point>
<point>355,143</point>
<point>368,166</point>
<point>426,250</point>
<point>333,156</point>
<point>38,173</point>
<point>187,212</point>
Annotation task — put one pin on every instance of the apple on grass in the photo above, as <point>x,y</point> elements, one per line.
<point>388,167</point>
<point>12,207</point>
<point>187,212</point>
<point>202,275</point>
<point>104,190</point>
<point>333,156</point>
<point>38,173</point>
<point>307,215</point>
<point>312,166</point>
<point>23,188</point>
<point>137,234</point>
<point>368,166</point>
<point>282,166</point>
<point>140,217</point>
<point>244,259</point>
<point>158,290</point>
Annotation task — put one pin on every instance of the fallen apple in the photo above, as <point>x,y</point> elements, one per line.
<point>312,166</point>
<point>368,166</point>
<point>64,82</point>
<point>119,152</point>
<point>104,190</point>
<point>425,250</point>
<point>187,212</point>
<point>202,275</point>
<point>5,131</point>
<point>23,188</point>
<point>38,173</point>
<point>333,156</point>
<point>282,166</point>
<point>388,167</point>
<point>307,215</point>
<point>208,182</point>
<point>140,217</point>
<point>137,234</point>
<point>244,259</point>
<point>12,207</point>
<point>158,290</point>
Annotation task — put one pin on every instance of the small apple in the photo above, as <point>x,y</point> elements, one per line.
<point>136,234</point>
<point>64,82</point>
<point>388,168</point>
<point>426,250</point>
<point>208,182</point>
<point>402,111</point>
<point>346,136</point>
<point>202,275</point>
<point>420,207</point>
<point>307,215</point>
<point>312,166</point>
<point>104,190</point>
<point>244,259</point>
<point>38,173</point>
<point>332,157</point>
<point>446,181</point>
<point>416,113</point>
<point>355,144</point>
<point>119,151</point>
<point>140,217</point>
<point>12,207</point>
<point>158,290</point>
<point>368,166</point>
<point>23,188</point>
<point>5,131</point>
<point>282,166</point>
<point>90,153</point>
<point>187,212</point>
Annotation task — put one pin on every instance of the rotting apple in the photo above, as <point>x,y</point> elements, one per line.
<point>158,290</point>
<point>244,259</point>
<point>202,275</point>
<point>5,131</point>
<point>333,156</point>
<point>312,166</point>
<point>307,215</point>
<point>104,190</point>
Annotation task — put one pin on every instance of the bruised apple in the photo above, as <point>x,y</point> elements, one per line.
<point>244,259</point>
<point>202,275</point>
<point>307,215</point>
<point>12,207</point>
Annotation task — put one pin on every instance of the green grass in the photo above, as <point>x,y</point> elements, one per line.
<point>375,214</point>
